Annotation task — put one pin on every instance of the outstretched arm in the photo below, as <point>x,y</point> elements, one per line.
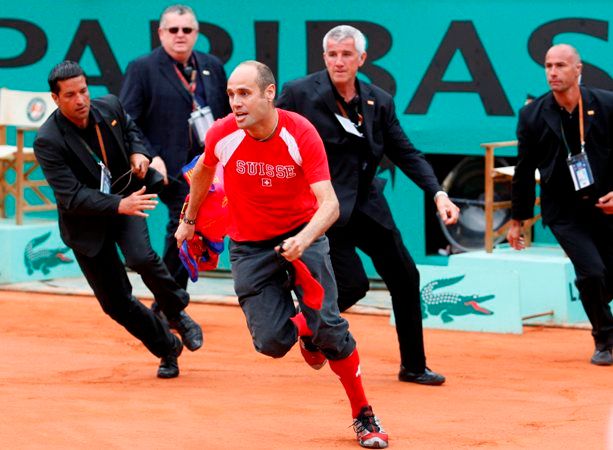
<point>137,203</point>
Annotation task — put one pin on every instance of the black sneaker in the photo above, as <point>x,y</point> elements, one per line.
<point>169,365</point>
<point>190,331</point>
<point>368,429</point>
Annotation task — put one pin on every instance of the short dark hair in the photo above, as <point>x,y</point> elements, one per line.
<point>63,71</point>
<point>264,75</point>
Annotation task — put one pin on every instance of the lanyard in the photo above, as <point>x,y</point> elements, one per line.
<point>581,132</point>
<point>189,87</point>
<point>100,143</point>
<point>346,116</point>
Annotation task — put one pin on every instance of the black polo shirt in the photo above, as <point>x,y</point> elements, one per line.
<point>569,130</point>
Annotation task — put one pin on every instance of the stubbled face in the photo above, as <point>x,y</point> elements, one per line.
<point>73,100</point>
<point>251,106</point>
<point>562,68</point>
<point>343,60</point>
<point>178,45</point>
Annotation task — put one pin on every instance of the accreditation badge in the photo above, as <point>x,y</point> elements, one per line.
<point>105,179</point>
<point>580,171</point>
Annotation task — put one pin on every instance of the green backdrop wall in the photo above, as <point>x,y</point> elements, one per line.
<point>459,71</point>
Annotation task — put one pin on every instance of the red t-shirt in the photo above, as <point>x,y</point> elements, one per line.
<point>268,183</point>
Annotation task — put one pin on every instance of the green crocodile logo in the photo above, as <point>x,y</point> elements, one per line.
<point>43,259</point>
<point>449,304</point>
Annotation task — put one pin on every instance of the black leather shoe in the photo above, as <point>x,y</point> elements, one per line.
<point>427,377</point>
<point>190,331</point>
<point>169,365</point>
<point>602,357</point>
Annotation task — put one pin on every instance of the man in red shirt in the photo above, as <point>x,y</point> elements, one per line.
<point>281,202</point>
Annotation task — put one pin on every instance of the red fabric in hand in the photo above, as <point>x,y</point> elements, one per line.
<point>313,292</point>
<point>301,325</point>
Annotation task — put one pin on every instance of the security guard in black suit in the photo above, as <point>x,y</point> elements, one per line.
<point>93,157</point>
<point>160,92</point>
<point>358,124</point>
<point>568,135</point>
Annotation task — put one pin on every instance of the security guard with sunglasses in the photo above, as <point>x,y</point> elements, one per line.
<point>173,94</point>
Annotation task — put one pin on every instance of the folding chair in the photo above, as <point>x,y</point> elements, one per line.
<point>495,175</point>
<point>25,111</point>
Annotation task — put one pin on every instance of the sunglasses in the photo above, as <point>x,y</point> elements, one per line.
<point>175,30</point>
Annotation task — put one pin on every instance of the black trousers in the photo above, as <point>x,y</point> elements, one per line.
<point>106,274</point>
<point>587,239</point>
<point>396,267</point>
<point>173,196</point>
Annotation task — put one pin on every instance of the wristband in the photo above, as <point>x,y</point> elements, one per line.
<point>189,221</point>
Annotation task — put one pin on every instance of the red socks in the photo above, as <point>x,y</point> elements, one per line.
<point>313,293</point>
<point>348,370</point>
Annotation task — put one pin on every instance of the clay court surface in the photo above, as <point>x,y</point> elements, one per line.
<point>71,378</point>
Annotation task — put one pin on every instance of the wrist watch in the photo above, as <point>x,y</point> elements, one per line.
<point>189,221</point>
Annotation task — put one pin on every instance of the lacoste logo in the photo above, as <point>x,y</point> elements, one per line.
<point>43,259</point>
<point>449,304</point>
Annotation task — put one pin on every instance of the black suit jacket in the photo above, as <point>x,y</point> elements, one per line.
<point>85,213</point>
<point>155,98</point>
<point>540,146</point>
<point>312,96</point>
